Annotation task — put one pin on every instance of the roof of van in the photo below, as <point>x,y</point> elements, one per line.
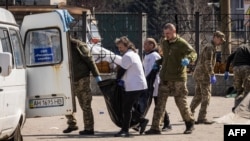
<point>46,8</point>
<point>6,16</point>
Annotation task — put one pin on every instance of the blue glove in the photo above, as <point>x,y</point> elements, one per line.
<point>98,79</point>
<point>212,79</point>
<point>120,82</point>
<point>184,62</point>
<point>155,66</point>
<point>226,74</point>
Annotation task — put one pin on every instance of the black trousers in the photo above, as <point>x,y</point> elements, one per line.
<point>128,100</point>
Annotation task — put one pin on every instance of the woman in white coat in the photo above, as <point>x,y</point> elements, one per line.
<point>134,82</point>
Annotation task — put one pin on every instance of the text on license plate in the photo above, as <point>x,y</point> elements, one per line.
<point>46,102</point>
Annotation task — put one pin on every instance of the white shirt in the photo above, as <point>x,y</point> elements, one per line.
<point>134,78</point>
<point>148,62</point>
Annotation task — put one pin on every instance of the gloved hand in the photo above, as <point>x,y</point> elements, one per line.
<point>155,66</point>
<point>120,82</point>
<point>226,74</point>
<point>98,78</point>
<point>184,62</point>
<point>212,79</point>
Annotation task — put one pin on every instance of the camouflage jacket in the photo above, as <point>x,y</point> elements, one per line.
<point>205,65</point>
<point>82,60</point>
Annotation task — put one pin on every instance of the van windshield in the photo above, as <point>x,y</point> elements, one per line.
<point>43,47</point>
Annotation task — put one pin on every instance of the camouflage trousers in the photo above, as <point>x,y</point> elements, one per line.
<point>202,96</point>
<point>179,91</point>
<point>241,82</point>
<point>83,92</point>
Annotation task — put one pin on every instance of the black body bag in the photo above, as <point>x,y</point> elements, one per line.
<point>113,98</point>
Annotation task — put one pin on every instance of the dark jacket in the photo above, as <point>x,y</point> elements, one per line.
<point>240,57</point>
<point>83,62</point>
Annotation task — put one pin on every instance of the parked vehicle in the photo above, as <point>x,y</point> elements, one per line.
<point>35,82</point>
<point>12,79</point>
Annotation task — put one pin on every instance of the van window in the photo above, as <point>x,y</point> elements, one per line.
<point>17,48</point>
<point>5,42</point>
<point>43,47</point>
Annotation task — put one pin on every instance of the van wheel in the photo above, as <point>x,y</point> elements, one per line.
<point>17,134</point>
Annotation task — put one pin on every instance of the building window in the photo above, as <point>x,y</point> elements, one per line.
<point>240,4</point>
<point>240,25</point>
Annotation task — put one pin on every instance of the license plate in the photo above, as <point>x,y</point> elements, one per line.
<point>46,102</point>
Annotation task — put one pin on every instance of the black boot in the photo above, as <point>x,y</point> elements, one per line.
<point>189,127</point>
<point>143,126</point>
<point>167,126</point>
<point>70,129</point>
<point>122,134</point>
<point>87,132</point>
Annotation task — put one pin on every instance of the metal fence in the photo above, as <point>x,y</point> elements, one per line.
<point>196,28</point>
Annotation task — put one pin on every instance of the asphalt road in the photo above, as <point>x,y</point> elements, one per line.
<point>50,128</point>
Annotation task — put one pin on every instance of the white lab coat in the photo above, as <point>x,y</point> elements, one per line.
<point>148,62</point>
<point>134,77</point>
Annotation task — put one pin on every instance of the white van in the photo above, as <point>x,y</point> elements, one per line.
<point>12,78</point>
<point>35,82</point>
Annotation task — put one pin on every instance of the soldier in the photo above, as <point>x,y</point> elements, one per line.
<point>83,64</point>
<point>151,55</point>
<point>204,77</point>
<point>241,68</point>
<point>177,54</point>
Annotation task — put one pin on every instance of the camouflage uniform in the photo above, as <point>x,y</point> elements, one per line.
<point>83,64</point>
<point>173,79</point>
<point>241,82</point>
<point>179,91</point>
<point>204,68</point>
<point>241,68</point>
<point>83,93</point>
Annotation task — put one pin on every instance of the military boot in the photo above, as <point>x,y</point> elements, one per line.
<point>70,129</point>
<point>189,127</point>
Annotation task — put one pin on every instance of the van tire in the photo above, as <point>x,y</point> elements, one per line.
<point>17,136</point>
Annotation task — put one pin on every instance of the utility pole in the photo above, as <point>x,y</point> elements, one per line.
<point>225,28</point>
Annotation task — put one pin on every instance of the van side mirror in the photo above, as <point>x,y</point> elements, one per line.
<point>5,63</point>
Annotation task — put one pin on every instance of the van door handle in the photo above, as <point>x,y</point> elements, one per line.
<point>1,90</point>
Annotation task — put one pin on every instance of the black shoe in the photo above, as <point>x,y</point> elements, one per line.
<point>136,128</point>
<point>122,134</point>
<point>205,121</point>
<point>233,109</point>
<point>70,129</point>
<point>167,127</point>
<point>189,127</point>
<point>152,132</point>
<point>143,126</point>
<point>87,132</point>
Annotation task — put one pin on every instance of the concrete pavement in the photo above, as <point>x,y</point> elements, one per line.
<point>50,128</point>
